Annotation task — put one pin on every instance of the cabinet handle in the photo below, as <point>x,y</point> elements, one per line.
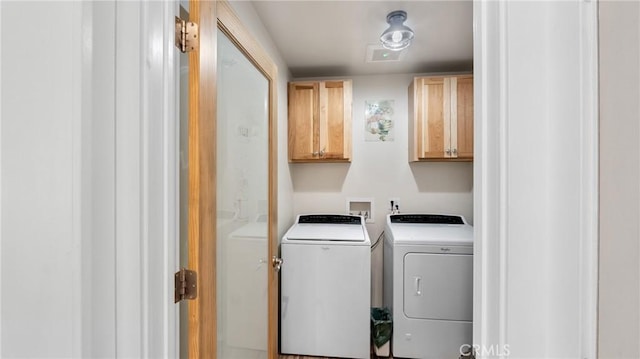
<point>454,151</point>
<point>315,153</point>
<point>448,151</point>
<point>322,152</point>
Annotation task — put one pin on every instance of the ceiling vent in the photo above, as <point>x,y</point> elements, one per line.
<point>377,53</point>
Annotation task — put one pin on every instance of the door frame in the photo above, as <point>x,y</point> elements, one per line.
<point>214,16</point>
<point>494,32</point>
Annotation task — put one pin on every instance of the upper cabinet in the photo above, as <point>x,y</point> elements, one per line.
<point>320,121</point>
<point>441,118</point>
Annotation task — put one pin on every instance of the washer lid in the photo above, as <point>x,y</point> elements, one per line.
<point>327,232</point>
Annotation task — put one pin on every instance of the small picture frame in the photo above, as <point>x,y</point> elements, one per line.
<point>378,120</point>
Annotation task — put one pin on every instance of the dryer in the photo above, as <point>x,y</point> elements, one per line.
<point>326,287</point>
<point>428,284</point>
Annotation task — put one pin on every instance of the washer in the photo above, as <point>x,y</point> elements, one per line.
<point>428,284</point>
<point>326,287</point>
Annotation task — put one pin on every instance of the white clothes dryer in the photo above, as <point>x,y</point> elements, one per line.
<point>428,284</point>
<point>326,287</point>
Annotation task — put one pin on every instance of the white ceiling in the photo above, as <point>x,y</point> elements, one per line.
<point>330,38</point>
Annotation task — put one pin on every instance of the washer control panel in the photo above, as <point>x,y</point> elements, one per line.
<point>329,219</point>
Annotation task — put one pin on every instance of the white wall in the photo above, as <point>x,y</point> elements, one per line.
<point>619,299</point>
<point>87,221</point>
<point>98,187</point>
<point>380,171</point>
<point>40,221</point>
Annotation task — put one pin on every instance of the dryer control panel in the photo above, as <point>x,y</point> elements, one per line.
<point>426,218</point>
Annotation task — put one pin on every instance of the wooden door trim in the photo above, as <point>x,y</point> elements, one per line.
<point>211,17</point>
<point>202,180</point>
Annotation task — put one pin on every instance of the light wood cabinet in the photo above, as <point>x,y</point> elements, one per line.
<point>320,121</point>
<point>441,118</point>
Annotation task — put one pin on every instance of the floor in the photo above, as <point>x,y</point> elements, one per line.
<point>373,356</point>
<point>229,352</point>
<point>304,357</point>
<point>235,353</point>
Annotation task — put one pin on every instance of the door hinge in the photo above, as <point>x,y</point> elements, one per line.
<point>187,38</point>
<point>186,285</point>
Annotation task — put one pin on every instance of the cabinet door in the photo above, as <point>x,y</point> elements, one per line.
<point>434,118</point>
<point>462,108</point>
<point>304,131</point>
<point>335,120</point>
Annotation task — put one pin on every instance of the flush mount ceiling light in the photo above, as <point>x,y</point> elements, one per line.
<point>398,36</point>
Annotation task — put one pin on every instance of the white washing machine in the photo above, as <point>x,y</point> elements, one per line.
<point>326,287</point>
<point>428,284</point>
